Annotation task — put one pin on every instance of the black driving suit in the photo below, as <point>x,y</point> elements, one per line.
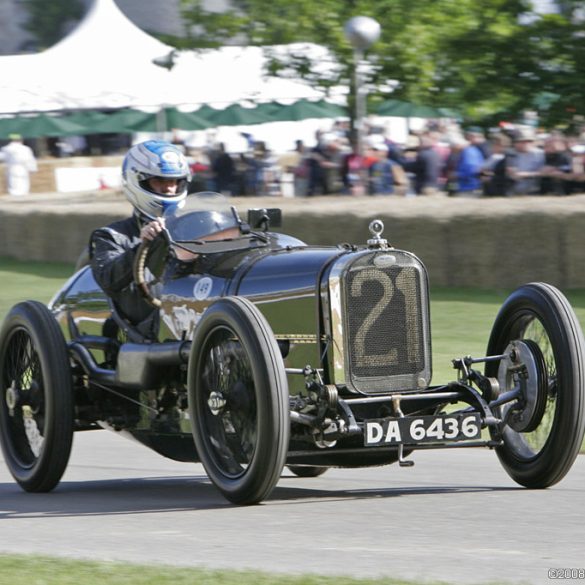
<point>112,252</point>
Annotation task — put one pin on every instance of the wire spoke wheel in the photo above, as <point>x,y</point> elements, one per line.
<point>238,400</point>
<point>228,403</point>
<point>531,443</point>
<point>24,399</point>
<point>36,397</point>
<point>541,452</point>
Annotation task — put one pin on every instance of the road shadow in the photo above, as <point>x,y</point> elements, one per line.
<point>181,494</point>
<point>288,495</point>
<point>111,497</point>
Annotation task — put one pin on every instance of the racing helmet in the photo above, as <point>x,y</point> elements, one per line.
<point>154,158</point>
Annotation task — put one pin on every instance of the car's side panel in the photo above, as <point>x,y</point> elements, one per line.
<point>82,308</point>
<point>284,285</point>
<point>184,300</point>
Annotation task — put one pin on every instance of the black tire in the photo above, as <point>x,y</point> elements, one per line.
<point>307,470</point>
<point>541,313</point>
<point>235,358</point>
<point>36,397</point>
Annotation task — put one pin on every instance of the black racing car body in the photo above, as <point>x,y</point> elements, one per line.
<point>271,352</point>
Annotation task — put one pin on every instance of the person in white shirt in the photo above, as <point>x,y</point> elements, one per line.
<point>20,161</point>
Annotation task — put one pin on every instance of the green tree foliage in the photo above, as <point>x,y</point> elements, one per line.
<point>488,59</point>
<point>559,44</point>
<point>48,19</point>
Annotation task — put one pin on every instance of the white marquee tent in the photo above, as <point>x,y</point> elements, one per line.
<point>106,62</point>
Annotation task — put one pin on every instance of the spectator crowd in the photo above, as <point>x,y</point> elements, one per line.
<point>440,159</point>
<point>434,161</point>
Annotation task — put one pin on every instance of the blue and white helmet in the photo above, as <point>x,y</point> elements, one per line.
<point>154,158</point>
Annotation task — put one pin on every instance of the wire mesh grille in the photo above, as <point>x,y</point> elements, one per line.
<point>386,323</point>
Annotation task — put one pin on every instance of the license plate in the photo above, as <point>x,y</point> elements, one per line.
<point>421,429</point>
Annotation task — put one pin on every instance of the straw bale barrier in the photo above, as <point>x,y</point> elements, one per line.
<point>480,243</point>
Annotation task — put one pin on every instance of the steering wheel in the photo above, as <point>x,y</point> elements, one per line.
<point>141,276</point>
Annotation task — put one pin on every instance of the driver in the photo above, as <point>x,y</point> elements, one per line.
<point>155,177</point>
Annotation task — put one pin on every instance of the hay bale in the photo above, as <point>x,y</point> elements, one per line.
<point>485,243</point>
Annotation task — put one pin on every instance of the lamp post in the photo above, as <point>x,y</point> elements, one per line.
<point>361,32</point>
<point>166,62</point>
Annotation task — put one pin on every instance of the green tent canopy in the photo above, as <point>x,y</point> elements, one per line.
<point>237,115</point>
<point>89,119</point>
<point>302,110</point>
<point>130,120</point>
<point>8,126</point>
<point>186,120</point>
<point>205,112</point>
<point>402,109</point>
<point>40,125</point>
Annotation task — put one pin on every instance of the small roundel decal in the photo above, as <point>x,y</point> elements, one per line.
<point>202,288</point>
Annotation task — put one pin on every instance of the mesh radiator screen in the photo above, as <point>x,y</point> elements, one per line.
<point>386,324</point>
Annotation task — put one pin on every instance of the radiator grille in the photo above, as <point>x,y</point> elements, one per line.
<point>385,322</point>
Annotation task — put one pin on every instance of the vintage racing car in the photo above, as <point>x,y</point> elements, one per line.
<point>273,353</point>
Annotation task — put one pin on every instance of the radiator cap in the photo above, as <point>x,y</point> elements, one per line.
<point>376,228</point>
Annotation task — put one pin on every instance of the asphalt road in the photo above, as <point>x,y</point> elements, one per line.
<point>455,517</point>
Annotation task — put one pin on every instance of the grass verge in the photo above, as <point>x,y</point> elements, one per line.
<point>461,321</point>
<point>20,281</point>
<point>29,570</point>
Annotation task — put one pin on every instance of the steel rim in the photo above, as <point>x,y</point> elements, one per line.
<point>22,398</point>
<point>528,445</point>
<point>227,403</point>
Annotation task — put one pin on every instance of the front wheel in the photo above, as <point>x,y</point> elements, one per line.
<point>543,431</point>
<point>238,400</point>
<point>36,397</point>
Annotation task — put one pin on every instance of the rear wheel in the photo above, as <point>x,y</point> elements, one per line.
<point>36,397</point>
<point>238,400</point>
<point>543,431</point>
